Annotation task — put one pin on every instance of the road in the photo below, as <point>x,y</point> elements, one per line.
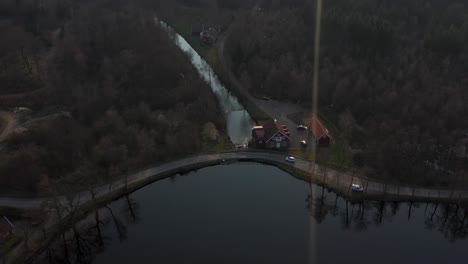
<point>337,181</point>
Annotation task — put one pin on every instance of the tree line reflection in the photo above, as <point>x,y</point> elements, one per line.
<point>448,218</point>
<point>83,241</point>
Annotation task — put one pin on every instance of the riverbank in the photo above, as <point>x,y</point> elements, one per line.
<point>214,56</point>
<point>227,76</point>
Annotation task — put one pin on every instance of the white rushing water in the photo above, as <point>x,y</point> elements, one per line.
<point>239,122</point>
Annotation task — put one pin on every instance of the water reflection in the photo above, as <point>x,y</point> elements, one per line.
<point>449,219</point>
<point>252,213</point>
<point>84,240</point>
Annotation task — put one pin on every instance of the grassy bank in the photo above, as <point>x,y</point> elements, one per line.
<point>257,114</point>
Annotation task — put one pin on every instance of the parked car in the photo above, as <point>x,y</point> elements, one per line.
<point>301,127</point>
<point>266,98</point>
<point>357,187</point>
<point>303,143</point>
<point>290,159</point>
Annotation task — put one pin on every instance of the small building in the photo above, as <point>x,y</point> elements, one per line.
<point>6,229</point>
<point>272,135</point>
<point>320,133</point>
<point>209,35</point>
<point>258,137</point>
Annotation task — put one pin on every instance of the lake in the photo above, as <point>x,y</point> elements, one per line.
<point>254,213</point>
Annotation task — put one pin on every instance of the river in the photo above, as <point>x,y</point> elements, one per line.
<point>239,122</point>
<point>254,213</point>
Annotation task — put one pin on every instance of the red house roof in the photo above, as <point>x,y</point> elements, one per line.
<point>272,128</point>
<point>318,129</point>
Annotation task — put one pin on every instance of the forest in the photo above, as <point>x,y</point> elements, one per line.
<point>120,95</point>
<point>117,94</point>
<point>396,70</point>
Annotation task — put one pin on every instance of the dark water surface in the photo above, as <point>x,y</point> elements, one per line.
<point>243,213</point>
<point>253,213</point>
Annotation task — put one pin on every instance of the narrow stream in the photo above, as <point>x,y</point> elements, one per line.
<point>239,122</point>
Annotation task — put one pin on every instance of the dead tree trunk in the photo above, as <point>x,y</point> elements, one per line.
<point>98,227</point>
<point>409,210</point>
<point>435,210</point>
<point>130,208</point>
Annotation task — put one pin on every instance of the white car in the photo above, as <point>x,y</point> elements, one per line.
<point>290,159</point>
<point>357,188</point>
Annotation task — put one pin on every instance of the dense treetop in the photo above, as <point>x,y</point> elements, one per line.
<point>132,95</point>
<point>398,68</point>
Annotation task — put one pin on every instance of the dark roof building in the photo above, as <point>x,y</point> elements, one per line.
<point>276,136</point>
<point>320,132</point>
<point>271,135</point>
<point>209,36</point>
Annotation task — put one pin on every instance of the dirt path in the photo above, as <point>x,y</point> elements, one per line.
<point>9,124</point>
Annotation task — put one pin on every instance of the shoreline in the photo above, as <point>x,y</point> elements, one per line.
<point>302,169</point>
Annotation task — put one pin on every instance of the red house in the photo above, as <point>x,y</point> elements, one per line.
<point>276,136</point>
<point>271,135</point>
<point>320,133</point>
<point>258,136</point>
